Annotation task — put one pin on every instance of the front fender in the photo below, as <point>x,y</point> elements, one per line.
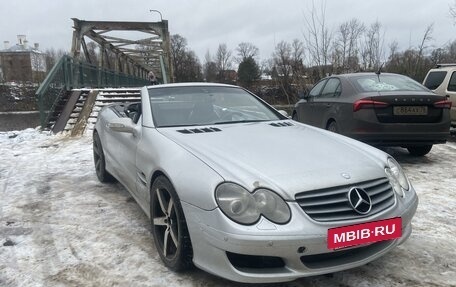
<point>193,180</point>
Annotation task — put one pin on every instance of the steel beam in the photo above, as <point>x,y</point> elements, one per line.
<point>134,56</point>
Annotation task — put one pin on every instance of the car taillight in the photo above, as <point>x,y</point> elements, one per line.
<point>368,104</point>
<point>443,104</point>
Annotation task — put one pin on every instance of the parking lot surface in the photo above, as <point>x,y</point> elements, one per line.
<point>59,226</point>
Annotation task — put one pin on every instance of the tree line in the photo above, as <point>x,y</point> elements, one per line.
<point>295,65</point>
<point>287,73</point>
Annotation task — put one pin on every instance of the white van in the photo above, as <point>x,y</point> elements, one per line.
<point>442,81</point>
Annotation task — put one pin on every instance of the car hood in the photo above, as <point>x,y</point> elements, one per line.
<point>288,159</point>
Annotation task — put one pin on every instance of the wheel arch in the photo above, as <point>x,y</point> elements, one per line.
<point>153,177</point>
<point>156,174</point>
<point>329,121</point>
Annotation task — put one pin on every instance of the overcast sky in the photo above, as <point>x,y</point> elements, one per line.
<point>206,24</point>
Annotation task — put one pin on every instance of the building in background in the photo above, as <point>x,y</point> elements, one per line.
<point>21,62</point>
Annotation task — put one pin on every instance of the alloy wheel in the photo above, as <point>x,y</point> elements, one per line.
<point>166,223</point>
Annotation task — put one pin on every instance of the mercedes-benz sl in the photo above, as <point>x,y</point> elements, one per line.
<point>238,189</point>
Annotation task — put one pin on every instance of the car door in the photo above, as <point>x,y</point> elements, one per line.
<point>124,146</point>
<point>305,108</point>
<point>324,104</point>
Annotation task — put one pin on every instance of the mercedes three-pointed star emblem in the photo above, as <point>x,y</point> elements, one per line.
<point>359,200</point>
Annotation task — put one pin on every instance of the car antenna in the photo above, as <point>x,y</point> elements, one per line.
<point>379,71</point>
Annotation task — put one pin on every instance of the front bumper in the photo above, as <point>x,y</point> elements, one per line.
<point>301,244</point>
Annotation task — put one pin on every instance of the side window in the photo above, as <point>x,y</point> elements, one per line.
<point>452,83</point>
<point>317,89</point>
<point>434,79</point>
<point>331,88</point>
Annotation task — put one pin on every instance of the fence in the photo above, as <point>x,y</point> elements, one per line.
<point>68,74</point>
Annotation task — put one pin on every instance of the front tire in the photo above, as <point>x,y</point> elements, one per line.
<point>169,227</point>
<point>419,150</point>
<point>99,161</point>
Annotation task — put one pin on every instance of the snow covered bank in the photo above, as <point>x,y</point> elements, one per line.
<point>60,227</point>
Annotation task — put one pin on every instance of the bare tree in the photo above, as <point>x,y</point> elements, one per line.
<point>341,46</point>
<point>427,36</point>
<point>223,61</point>
<point>346,45</point>
<point>297,53</point>
<point>178,56</point>
<point>453,11</point>
<point>209,68</point>
<point>52,57</point>
<point>372,49</point>
<point>282,59</point>
<point>289,68</point>
<point>266,66</point>
<point>297,64</point>
<point>187,67</point>
<point>398,62</point>
<point>451,51</point>
<point>318,38</point>
<point>438,56</point>
<point>393,49</point>
<point>245,50</point>
<point>192,70</point>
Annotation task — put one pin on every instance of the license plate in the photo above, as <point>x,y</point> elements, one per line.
<point>368,232</point>
<point>410,111</point>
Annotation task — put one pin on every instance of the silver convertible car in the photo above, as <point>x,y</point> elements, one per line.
<point>236,188</point>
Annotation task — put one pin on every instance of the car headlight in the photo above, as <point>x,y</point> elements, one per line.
<point>397,177</point>
<point>246,208</point>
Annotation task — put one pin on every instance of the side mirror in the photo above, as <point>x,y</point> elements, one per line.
<point>284,113</point>
<point>304,95</point>
<point>123,125</point>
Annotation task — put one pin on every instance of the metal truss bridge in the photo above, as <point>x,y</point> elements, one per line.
<point>104,54</point>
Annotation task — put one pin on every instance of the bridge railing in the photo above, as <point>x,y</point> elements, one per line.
<point>68,74</point>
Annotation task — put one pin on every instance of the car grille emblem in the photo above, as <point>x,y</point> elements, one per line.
<point>359,200</point>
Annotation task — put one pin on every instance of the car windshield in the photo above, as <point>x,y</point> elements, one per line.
<point>206,105</point>
<point>385,83</point>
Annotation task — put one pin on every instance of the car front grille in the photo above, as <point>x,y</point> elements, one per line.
<point>331,204</point>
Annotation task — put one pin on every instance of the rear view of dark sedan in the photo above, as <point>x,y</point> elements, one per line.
<point>379,109</point>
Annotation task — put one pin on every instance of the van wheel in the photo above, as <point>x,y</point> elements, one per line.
<point>332,127</point>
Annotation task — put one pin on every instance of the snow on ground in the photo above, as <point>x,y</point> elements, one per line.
<point>60,227</point>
